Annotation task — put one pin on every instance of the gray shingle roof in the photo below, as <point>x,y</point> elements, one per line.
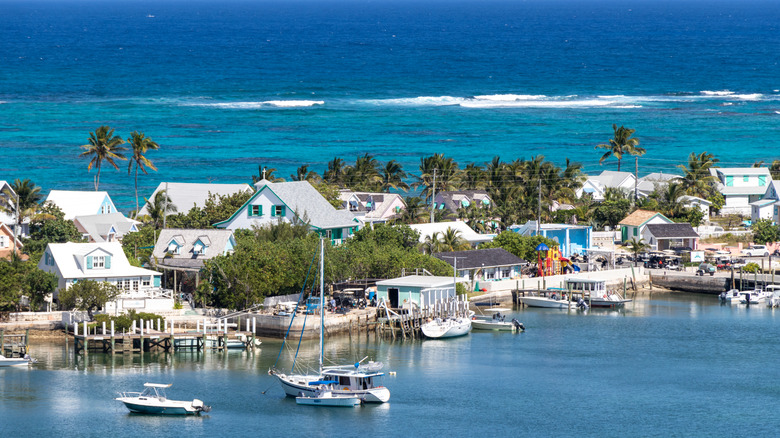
<point>479,258</point>
<point>218,238</point>
<point>98,225</point>
<point>186,195</point>
<point>672,231</point>
<point>308,204</point>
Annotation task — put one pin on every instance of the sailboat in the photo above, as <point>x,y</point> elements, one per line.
<point>361,380</point>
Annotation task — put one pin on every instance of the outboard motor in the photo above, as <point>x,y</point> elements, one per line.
<point>747,299</point>
<point>518,324</point>
<point>581,304</point>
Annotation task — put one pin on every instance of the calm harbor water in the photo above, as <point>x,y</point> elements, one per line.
<point>667,365</point>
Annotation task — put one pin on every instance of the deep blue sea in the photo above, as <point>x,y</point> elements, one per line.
<point>224,86</point>
<point>667,365</point>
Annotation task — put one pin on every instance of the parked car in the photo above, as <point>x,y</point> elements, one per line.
<point>706,268</point>
<point>756,251</point>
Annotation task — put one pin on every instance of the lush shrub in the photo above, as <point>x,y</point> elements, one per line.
<point>751,267</point>
<point>125,321</point>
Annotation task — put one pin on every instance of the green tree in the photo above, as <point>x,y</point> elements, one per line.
<point>696,179</point>
<point>637,247</point>
<point>393,177</point>
<point>159,208</point>
<point>38,284</point>
<point>140,144</point>
<point>521,246</point>
<point>764,231</point>
<point>88,295</point>
<point>621,144</point>
<point>49,226</point>
<point>103,146</point>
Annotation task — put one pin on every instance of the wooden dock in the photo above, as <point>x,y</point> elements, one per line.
<point>406,323</point>
<point>14,345</point>
<point>208,336</point>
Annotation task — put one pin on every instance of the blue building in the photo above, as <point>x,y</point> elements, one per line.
<point>573,239</point>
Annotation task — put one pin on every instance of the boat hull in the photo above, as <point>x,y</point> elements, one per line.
<point>435,330</point>
<point>142,408</point>
<point>335,402</point>
<point>11,362</point>
<point>547,303</point>
<point>293,387</point>
<point>496,326</point>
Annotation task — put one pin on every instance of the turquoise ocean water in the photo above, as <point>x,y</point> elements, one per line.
<point>667,365</point>
<point>225,86</point>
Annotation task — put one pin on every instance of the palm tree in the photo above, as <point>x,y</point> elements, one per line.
<point>451,241</point>
<point>774,169</point>
<point>432,243</point>
<point>140,144</point>
<point>621,144</point>
<point>103,145</point>
<point>697,179</point>
<point>393,177</point>
<point>474,177</point>
<point>160,207</point>
<point>28,193</point>
<point>447,174</point>
<point>335,172</point>
<point>304,174</point>
<point>637,247</point>
<point>265,173</point>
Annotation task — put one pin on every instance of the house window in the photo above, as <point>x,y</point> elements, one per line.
<point>337,233</point>
<point>278,211</point>
<point>135,284</point>
<point>636,231</point>
<point>3,243</point>
<point>353,206</point>
<point>98,262</point>
<point>255,210</point>
<point>146,282</point>
<point>397,209</point>
<point>745,178</point>
<point>199,248</point>
<point>173,247</point>
<point>729,181</point>
<point>762,180</point>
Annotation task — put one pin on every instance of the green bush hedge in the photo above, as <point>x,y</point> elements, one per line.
<point>125,322</point>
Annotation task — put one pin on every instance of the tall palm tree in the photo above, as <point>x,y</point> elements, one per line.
<point>103,145</point>
<point>432,243</point>
<point>304,174</point>
<point>447,174</point>
<point>29,194</point>
<point>266,173</point>
<point>474,177</point>
<point>636,247</point>
<point>697,179</point>
<point>621,144</point>
<point>140,144</point>
<point>393,177</point>
<point>414,211</point>
<point>335,172</point>
<point>159,207</point>
<point>452,241</point>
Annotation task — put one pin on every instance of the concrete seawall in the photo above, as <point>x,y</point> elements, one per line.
<point>691,283</point>
<point>276,326</point>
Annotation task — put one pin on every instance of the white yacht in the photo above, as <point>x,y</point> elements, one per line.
<point>153,400</point>
<point>446,328</point>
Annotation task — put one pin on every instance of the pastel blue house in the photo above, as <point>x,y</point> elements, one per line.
<point>81,203</point>
<point>573,239</point>
<point>422,290</point>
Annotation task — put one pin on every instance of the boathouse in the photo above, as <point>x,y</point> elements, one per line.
<point>419,289</point>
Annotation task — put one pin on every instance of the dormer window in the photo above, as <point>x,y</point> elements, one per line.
<point>199,248</point>
<point>98,262</point>
<point>353,206</point>
<point>173,247</point>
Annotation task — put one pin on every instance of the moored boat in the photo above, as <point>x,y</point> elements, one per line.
<point>328,398</point>
<point>595,293</point>
<point>552,302</point>
<point>446,328</point>
<point>15,361</point>
<point>153,400</point>
<point>496,322</point>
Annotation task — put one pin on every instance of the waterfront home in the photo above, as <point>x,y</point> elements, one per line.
<point>634,225</point>
<point>421,290</point>
<point>490,264</point>
<point>9,244</point>
<point>81,203</point>
<point>187,250</point>
<point>768,207</point>
<point>573,239</point>
<point>452,201</point>
<point>187,195</point>
<point>7,196</point>
<point>439,228</point>
<point>670,236</point>
<point>106,262</point>
<point>651,182</point>
<point>105,227</point>
<point>372,207</point>
<point>696,202</point>
<point>293,202</point>
<point>596,185</point>
<point>740,186</point>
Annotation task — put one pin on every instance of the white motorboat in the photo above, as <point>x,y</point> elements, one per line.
<point>732,296</point>
<point>15,361</point>
<point>446,328</point>
<point>756,296</point>
<point>328,398</point>
<point>496,321</point>
<point>361,380</point>
<point>595,293</point>
<point>154,401</point>
<point>773,298</point>
<point>552,302</point>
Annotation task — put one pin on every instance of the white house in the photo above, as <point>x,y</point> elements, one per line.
<point>81,203</point>
<point>653,181</point>
<point>634,225</point>
<point>105,227</point>
<point>464,231</point>
<point>768,207</point>
<point>106,261</point>
<point>740,186</point>
<point>187,195</point>
<point>696,202</point>
<point>597,185</point>
<point>372,207</point>
<point>295,201</point>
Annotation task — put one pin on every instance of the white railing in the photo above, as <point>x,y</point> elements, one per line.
<point>152,292</point>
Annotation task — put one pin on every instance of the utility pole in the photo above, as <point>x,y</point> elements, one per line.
<point>433,197</point>
<point>16,227</point>
<point>165,206</point>
<point>539,212</point>
<point>636,179</point>
<point>454,271</point>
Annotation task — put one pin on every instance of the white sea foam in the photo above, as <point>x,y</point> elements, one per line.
<point>716,93</point>
<point>510,97</point>
<point>552,103</point>
<point>754,96</point>
<point>261,104</point>
<point>419,101</point>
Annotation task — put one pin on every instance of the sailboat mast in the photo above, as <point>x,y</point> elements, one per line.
<point>322,299</point>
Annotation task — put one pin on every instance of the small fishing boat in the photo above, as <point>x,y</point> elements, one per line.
<point>446,328</point>
<point>154,401</point>
<point>496,321</point>
<point>595,293</point>
<point>552,302</point>
<point>328,398</point>
<point>15,361</point>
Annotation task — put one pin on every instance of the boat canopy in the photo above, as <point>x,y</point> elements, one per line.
<point>158,385</point>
